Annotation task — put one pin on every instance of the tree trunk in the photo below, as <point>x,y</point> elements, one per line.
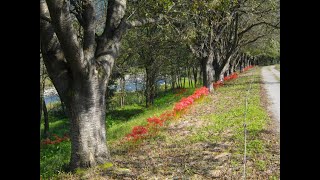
<point>201,73</point>
<point>46,119</point>
<point>136,82</point>
<point>88,133</point>
<point>208,72</point>
<point>150,86</point>
<point>230,70</point>
<point>165,83</point>
<point>173,80</point>
<point>122,91</point>
<point>41,100</point>
<point>195,76</point>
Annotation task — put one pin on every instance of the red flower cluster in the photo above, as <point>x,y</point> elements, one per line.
<point>168,115</point>
<point>217,84</point>
<point>247,68</point>
<point>57,139</point>
<point>154,123</point>
<point>230,77</point>
<point>138,132</point>
<point>186,102</point>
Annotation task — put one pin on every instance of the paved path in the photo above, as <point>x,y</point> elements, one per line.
<point>271,80</point>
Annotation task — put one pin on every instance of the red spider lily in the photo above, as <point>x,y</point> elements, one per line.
<point>230,77</point>
<point>56,141</point>
<point>137,132</point>
<point>155,121</point>
<point>167,115</point>
<point>248,67</point>
<point>186,102</point>
<point>217,84</point>
<point>202,91</point>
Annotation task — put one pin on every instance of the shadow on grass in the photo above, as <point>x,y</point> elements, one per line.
<point>58,127</point>
<point>241,83</point>
<point>123,115</point>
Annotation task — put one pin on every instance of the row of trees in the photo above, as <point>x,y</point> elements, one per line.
<point>85,42</point>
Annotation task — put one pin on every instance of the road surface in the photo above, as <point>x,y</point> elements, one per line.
<point>271,82</point>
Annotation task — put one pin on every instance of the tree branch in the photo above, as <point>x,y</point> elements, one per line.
<point>88,17</point>
<point>115,13</point>
<point>257,24</point>
<point>45,18</point>
<point>52,54</point>
<point>62,23</point>
<point>252,41</point>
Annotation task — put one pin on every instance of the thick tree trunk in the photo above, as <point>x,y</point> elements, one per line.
<point>88,133</point>
<point>80,72</point>
<point>46,119</point>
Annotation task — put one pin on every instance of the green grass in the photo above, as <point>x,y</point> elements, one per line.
<point>119,123</point>
<point>229,117</point>
<point>165,102</point>
<point>53,158</point>
<point>277,67</point>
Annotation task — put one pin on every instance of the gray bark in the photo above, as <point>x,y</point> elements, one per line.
<point>208,72</point>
